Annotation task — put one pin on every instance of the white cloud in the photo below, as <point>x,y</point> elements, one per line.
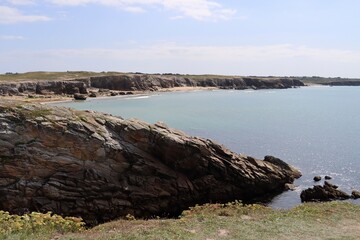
<point>280,60</point>
<point>10,15</point>
<point>10,38</point>
<point>196,9</point>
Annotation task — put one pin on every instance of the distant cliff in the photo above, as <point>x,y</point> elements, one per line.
<point>142,82</point>
<point>343,83</point>
<point>102,167</point>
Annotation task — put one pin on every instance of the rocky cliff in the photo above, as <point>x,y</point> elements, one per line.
<point>142,82</point>
<point>343,83</point>
<point>102,167</point>
<point>45,87</point>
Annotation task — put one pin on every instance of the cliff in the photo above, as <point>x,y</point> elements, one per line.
<point>44,87</point>
<point>343,83</point>
<point>102,167</point>
<point>145,82</point>
<point>141,82</point>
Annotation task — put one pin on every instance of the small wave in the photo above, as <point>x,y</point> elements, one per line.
<point>138,97</point>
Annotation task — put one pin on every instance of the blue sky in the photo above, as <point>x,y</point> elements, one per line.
<point>252,37</point>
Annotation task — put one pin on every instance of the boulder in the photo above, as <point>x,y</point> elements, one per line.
<point>79,96</point>
<point>355,194</point>
<point>328,178</point>
<point>101,167</point>
<point>317,178</point>
<point>318,193</point>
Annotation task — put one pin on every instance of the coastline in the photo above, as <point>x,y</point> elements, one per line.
<point>55,98</point>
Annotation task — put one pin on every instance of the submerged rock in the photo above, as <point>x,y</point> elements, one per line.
<point>101,167</point>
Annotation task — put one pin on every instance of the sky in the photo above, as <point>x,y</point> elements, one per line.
<point>234,37</point>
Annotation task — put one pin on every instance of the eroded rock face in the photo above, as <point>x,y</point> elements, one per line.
<point>144,82</point>
<point>102,167</point>
<point>45,87</point>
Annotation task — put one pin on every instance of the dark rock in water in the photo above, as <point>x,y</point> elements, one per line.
<point>92,94</point>
<point>355,194</point>
<point>328,192</point>
<point>129,93</point>
<point>78,96</point>
<point>114,94</point>
<point>328,178</point>
<point>317,178</point>
<point>100,167</point>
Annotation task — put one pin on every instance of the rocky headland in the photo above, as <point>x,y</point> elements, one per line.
<point>138,83</point>
<point>102,167</point>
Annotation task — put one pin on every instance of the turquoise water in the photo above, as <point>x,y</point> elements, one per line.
<point>316,129</point>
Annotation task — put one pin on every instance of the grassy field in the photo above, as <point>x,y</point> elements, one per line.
<point>34,76</point>
<point>333,220</point>
<point>51,75</point>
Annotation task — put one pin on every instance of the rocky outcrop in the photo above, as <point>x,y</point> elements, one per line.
<point>45,87</point>
<point>102,167</point>
<point>78,96</point>
<point>318,193</point>
<point>355,194</point>
<point>144,82</point>
<point>343,83</point>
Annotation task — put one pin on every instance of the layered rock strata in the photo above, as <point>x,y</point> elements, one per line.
<point>45,87</point>
<point>101,167</point>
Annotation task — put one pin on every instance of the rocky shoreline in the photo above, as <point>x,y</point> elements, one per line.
<point>128,83</point>
<point>101,167</point>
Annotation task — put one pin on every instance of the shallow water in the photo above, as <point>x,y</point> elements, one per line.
<point>313,128</point>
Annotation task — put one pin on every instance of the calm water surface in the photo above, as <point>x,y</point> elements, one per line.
<point>316,129</point>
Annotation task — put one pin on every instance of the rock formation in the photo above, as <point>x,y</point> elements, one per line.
<point>45,87</point>
<point>318,193</point>
<point>102,167</point>
<point>144,82</point>
<point>141,82</point>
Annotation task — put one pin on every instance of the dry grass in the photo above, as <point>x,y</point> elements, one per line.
<point>335,220</point>
<point>30,76</point>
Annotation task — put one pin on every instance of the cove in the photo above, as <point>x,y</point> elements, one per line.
<point>316,129</point>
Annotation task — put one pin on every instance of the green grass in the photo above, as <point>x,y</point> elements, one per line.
<point>36,76</point>
<point>51,75</point>
<point>332,220</point>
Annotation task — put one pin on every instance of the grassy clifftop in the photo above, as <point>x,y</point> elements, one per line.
<point>332,220</point>
<point>29,76</point>
<point>41,75</point>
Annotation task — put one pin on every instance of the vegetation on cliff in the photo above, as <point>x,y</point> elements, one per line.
<point>331,220</point>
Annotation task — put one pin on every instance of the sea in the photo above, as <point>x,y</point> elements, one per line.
<point>316,129</point>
